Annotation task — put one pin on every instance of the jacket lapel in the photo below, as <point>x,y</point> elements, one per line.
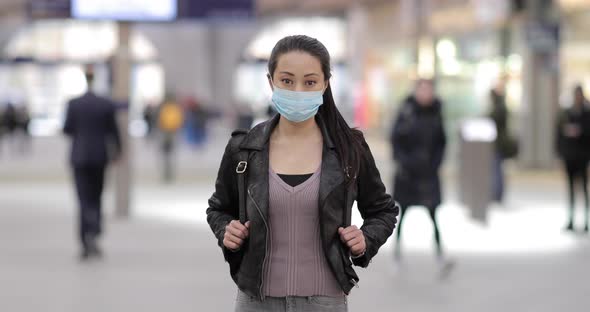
<point>332,175</point>
<point>258,178</point>
<point>258,163</point>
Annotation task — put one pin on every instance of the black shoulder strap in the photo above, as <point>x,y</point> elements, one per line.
<point>241,172</point>
<point>348,197</point>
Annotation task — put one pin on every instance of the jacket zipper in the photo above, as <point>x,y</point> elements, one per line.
<point>265,244</point>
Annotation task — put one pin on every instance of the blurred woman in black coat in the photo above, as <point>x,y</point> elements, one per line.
<point>418,141</point>
<point>573,146</point>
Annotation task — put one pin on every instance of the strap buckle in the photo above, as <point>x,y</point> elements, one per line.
<point>241,168</point>
<point>347,172</point>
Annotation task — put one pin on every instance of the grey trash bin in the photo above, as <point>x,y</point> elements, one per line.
<point>476,152</point>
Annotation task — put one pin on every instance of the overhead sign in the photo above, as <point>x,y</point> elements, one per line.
<point>128,10</point>
<point>142,10</point>
<point>48,8</point>
<point>216,9</point>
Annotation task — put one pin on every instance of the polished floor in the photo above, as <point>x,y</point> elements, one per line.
<point>164,258</point>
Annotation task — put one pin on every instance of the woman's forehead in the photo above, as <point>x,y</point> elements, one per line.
<point>298,62</point>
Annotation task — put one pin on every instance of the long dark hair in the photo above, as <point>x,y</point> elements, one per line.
<point>348,141</point>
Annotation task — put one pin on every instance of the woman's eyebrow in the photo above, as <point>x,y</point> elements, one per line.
<point>312,74</point>
<point>288,73</point>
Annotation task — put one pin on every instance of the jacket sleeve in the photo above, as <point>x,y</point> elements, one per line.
<point>114,129</point>
<point>441,143</point>
<point>586,129</point>
<point>377,208</point>
<point>223,204</point>
<point>69,122</point>
<point>402,131</point>
<point>559,135</point>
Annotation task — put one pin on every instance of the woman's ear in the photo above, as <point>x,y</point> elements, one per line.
<point>272,88</point>
<point>327,85</point>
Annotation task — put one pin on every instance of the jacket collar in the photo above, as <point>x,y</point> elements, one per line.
<point>258,137</point>
<point>257,141</point>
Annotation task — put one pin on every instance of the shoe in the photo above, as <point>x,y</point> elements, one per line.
<point>94,250</point>
<point>569,227</point>
<point>446,267</point>
<point>84,255</point>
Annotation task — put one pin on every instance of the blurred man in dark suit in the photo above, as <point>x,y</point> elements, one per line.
<point>90,122</point>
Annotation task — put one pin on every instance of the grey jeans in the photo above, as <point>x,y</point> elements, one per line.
<point>246,303</point>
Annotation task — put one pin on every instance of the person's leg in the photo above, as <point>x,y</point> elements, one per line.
<point>501,178</point>
<point>171,158</point>
<point>167,150</point>
<point>168,166</point>
<point>99,187</point>
<point>83,191</point>
<point>437,240</point>
<point>496,179</point>
<point>571,173</point>
<point>96,177</point>
<point>398,236</point>
<point>584,174</point>
<point>446,265</point>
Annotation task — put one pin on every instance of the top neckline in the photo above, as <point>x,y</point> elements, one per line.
<point>296,188</point>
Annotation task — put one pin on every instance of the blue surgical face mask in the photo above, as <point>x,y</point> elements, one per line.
<point>297,106</point>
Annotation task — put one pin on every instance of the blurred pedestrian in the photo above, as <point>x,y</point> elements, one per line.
<point>10,125</point>
<point>283,197</point>
<point>2,129</point>
<point>170,120</point>
<point>23,119</point>
<point>245,118</point>
<point>10,119</point>
<point>196,121</point>
<point>505,146</point>
<point>90,123</point>
<point>573,147</point>
<point>418,141</point>
<point>150,113</point>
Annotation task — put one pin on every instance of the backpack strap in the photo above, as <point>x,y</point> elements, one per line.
<point>241,172</point>
<point>348,198</point>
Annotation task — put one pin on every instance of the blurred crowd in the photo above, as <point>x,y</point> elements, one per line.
<point>14,128</point>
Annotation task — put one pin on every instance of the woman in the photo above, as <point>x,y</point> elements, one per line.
<point>506,146</point>
<point>418,141</point>
<point>573,146</point>
<point>283,196</point>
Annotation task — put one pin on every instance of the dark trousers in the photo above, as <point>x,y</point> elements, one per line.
<point>498,182</point>
<point>437,239</point>
<point>577,169</point>
<point>168,146</point>
<point>89,186</point>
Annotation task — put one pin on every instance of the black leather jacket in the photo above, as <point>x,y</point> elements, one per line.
<point>377,208</point>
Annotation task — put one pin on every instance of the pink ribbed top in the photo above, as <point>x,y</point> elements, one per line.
<point>296,264</point>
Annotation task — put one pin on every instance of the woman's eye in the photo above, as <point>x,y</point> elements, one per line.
<point>310,83</point>
<point>286,81</point>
